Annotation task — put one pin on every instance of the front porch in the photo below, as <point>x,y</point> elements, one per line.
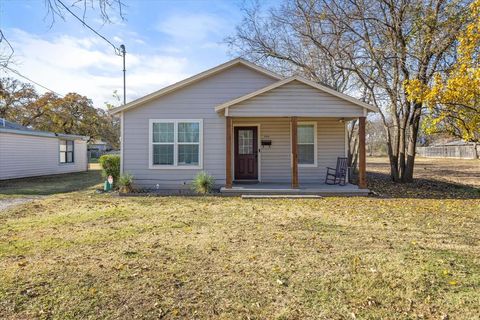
<point>271,150</point>
<point>319,189</point>
<point>284,137</point>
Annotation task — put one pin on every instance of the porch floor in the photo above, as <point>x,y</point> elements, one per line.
<point>286,189</point>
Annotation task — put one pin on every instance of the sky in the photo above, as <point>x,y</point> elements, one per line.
<point>166,41</point>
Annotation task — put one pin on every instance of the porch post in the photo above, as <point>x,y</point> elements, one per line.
<point>228,155</point>
<point>362,175</point>
<point>293,121</point>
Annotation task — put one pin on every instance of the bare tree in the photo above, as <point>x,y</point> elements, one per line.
<point>379,43</point>
<point>376,138</point>
<point>59,9</point>
<point>279,43</point>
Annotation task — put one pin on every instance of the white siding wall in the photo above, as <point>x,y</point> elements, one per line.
<point>295,99</point>
<point>275,160</point>
<point>27,156</point>
<point>196,101</point>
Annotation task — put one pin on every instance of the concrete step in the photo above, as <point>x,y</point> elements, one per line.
<point>279,196</point>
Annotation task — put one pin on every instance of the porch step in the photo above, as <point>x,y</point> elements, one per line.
<point>284,190</point>
<point>280,196</point>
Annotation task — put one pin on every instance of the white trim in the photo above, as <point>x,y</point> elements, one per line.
<point>345,124</point>
<point>122,136</point>
<point>277,84</point>
<point>193,79</point>
<point>315,144</point>
<point>66,151</point>
<point>175,144</point>
<point>259,158</point>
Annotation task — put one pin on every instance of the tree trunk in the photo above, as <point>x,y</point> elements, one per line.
<point>352,147</point>
<point>401,150</point>
<point>395,150</point>
<point>412,144</point>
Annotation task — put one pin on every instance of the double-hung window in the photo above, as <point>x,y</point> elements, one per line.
<point>307,144</point>
<point>176,144</point>
<point>66,151</point>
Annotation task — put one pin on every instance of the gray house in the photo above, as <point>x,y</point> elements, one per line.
<point>26,153</point>
<point>240,123</point>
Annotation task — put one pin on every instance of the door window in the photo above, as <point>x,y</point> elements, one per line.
<point>245,141</point>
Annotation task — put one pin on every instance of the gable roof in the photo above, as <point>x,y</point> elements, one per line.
<point>195,78</point>
<point>304,81</point>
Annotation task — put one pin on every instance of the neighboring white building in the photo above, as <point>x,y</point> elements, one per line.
<point>26,153</point>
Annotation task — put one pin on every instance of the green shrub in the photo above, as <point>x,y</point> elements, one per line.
<point>125,182</point>
<point>203,183</point>
<point>110,166</point>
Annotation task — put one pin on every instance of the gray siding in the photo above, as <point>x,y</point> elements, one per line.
<point>295,99</point>
<point>196,101</point>
<point>27,156</point>
<point>275,160</point>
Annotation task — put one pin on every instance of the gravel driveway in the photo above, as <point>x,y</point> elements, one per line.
<point>6,203</point>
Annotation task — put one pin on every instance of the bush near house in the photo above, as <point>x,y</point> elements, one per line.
<point>126,182</point>
<point>203,183</point>
<point>110,166</point>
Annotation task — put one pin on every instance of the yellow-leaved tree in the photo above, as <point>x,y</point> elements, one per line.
<point>453,99</point>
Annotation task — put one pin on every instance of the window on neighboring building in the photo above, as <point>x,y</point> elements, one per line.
<point>306,140</point>
<point>176,143</point>
<point>66,151</point>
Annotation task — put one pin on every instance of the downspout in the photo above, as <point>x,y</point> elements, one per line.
<point>122,137</point>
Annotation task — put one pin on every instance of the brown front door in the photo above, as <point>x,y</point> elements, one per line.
<point>246,153</point>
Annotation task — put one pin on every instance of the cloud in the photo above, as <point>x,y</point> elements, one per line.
<point>192,27</point>
<point>90,67</point>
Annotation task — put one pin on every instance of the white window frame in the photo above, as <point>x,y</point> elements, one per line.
<point>66,152</point>
<point>315,144</point>
<point>175,144</point>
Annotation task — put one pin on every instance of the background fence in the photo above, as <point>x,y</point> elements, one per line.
<point>461,152</point>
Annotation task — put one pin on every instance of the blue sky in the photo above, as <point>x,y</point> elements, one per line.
<point>166,41</point>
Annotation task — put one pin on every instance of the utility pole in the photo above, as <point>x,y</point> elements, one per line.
<point>122,48</point>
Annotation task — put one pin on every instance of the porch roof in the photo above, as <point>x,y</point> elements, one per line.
<point>306,103</point>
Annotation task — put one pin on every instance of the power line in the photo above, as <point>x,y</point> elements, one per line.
<point>117,50</point>
<point>2,37</point>
<point>32,81</point>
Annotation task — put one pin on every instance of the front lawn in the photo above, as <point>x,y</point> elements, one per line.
<point>51,184</point>
<point>82,255</point>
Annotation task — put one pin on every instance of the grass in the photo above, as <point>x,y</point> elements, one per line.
<point>85,255</point>
<point>434,178</point>
<point>48,185</point>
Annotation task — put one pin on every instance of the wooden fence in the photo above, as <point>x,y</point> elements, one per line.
<point>459,152</point>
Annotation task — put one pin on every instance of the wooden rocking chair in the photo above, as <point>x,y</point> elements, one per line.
<point>339,174</point>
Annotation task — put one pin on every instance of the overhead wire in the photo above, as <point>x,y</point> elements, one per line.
<point>32,81</point>
<point>117,50</point>
<point>2,37</point>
